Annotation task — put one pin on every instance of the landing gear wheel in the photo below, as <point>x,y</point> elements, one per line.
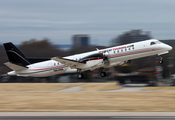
<point>103,74</point>
<point>80,76</point>
<point>161,60</point>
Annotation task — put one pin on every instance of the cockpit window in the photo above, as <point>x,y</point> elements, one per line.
<point>155,42</point>
<point>152,43</point>
<point>158,42</point>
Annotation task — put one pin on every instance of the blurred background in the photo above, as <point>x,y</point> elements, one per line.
<point>42,28</point>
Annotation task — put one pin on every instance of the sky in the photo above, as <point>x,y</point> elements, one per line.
<point>102,20</point>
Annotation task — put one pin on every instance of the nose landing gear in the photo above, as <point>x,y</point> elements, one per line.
<point>102,73</point>
<point>161,60</point>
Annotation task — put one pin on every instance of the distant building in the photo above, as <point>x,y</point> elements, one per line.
<point>80,40</point>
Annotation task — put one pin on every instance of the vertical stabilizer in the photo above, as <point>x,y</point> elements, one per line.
<point>15,56</point>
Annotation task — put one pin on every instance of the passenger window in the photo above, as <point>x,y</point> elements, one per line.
<point>152,43</point>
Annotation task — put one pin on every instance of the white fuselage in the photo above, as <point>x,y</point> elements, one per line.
<point>116,55</point>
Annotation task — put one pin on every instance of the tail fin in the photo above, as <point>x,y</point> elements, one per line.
<point>15,56</point>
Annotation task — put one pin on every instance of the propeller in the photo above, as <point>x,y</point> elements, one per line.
<point>104,55</point>
<point>105,58</point>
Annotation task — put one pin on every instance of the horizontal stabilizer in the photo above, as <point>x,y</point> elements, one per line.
<point>15,67</point>
<point>68,62</point>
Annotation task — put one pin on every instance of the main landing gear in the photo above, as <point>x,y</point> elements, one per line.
<point>79,75</point>
<point>102,73</point>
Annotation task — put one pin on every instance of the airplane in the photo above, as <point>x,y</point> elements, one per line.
<point>78,63</point>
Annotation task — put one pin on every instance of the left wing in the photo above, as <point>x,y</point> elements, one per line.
<point>68,62</point>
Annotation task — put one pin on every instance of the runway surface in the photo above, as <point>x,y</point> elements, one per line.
<point>87,115</point>
<point>85,118</point>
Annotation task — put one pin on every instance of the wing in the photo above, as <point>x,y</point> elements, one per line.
<point>71,63</point>
<point>15,67</point>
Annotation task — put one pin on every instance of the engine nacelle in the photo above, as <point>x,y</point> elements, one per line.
<point>106,54</point>
<point>106,62</point>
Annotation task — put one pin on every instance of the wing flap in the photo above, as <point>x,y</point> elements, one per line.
<point>68,62</point>
<point>15,67</point>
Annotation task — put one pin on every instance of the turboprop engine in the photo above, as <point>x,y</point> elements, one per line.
<point>106,54</point>
<point>96,56</point>
<point>105,59</point>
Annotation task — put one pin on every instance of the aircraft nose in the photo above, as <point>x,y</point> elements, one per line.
<point>169,47</point>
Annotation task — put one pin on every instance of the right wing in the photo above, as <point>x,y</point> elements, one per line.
<point>68,62</point>
<point>15,67</point>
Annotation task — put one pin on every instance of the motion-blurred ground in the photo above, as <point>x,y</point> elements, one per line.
<point>21,97</point>
<point>58,86</point>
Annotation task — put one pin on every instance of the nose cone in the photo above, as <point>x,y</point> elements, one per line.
<point>169,47</point>
<point>166,47</point>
